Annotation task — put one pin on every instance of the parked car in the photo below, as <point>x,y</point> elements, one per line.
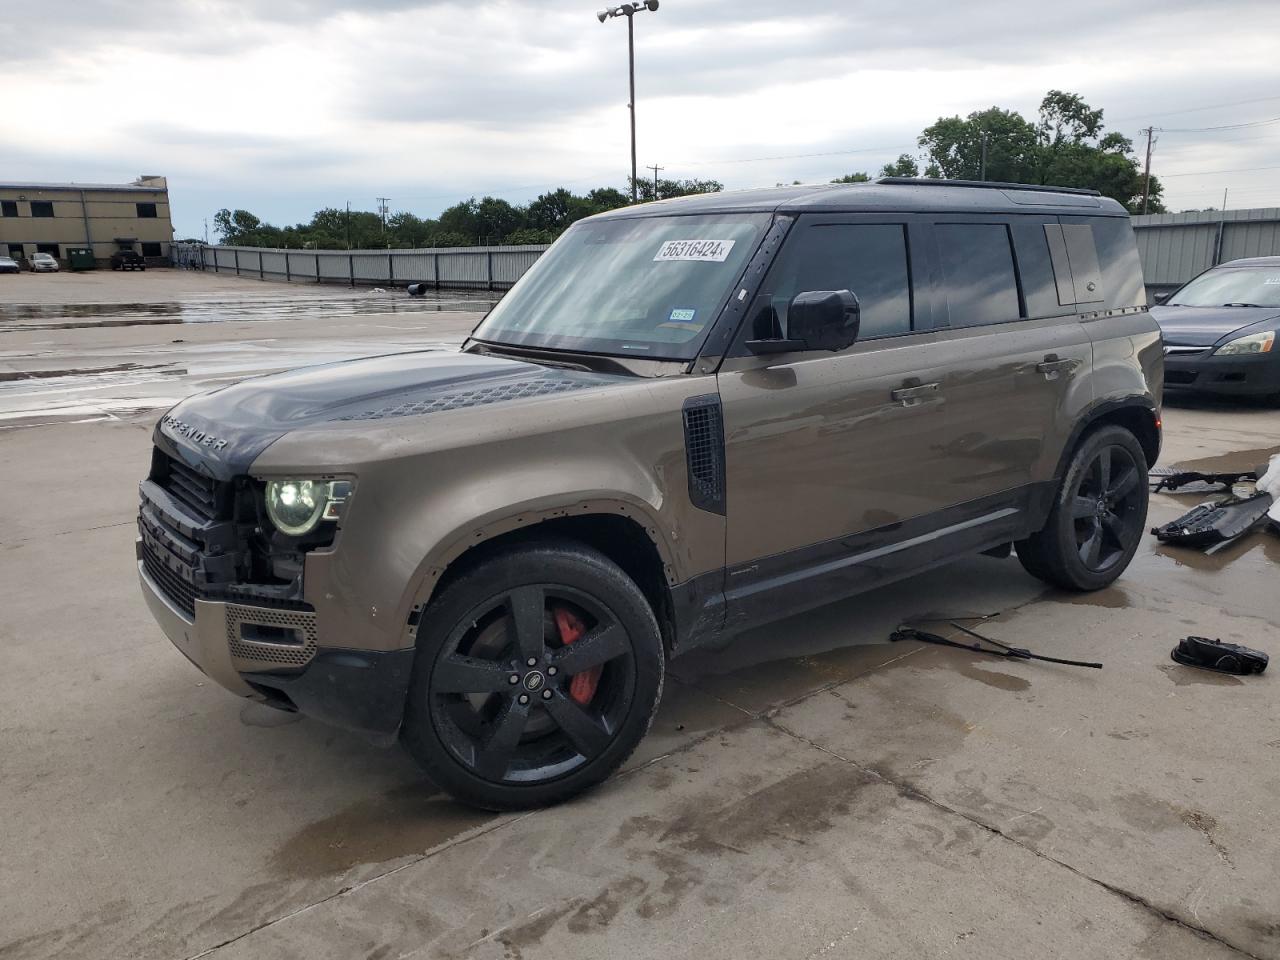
<point>688,418</point>
<point>128,260</point>
<point>9,265</point>
<point>1220,330</point>
<point>44,263</point>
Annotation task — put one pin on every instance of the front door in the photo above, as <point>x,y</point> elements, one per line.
<point>834,460</point>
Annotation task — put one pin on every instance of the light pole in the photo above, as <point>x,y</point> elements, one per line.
<point>629,10</point>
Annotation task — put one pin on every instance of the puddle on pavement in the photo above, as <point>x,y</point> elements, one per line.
<point>1235,460</point>
<point>402,822</point>
<point>36,316</point>
<point>1111,598</point>
<point>1185,676</point>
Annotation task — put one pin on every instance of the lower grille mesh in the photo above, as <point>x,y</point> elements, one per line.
<point>180,593</point>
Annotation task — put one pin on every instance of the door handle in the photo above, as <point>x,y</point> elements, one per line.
<point>912,392</point>
<point>1052,365</point>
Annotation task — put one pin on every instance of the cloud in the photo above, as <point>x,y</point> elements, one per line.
<point>281,106</point>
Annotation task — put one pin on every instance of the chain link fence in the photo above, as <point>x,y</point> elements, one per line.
<point>469,268</point>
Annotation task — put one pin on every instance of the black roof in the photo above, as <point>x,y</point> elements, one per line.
<point>896,194</point>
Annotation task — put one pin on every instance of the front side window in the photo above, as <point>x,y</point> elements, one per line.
<point>42,208</point>
<point>868,259</point>
<point>645,286</point>
<point>978,273</point>
<point>1232,287</point>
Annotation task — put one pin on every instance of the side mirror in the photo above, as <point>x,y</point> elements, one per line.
<point>1163,297</point>
<point>816,320</point>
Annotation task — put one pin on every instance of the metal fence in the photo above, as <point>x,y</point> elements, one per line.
<point>1174,248</point>
<point>1177,246</point>
<point>475,268</point>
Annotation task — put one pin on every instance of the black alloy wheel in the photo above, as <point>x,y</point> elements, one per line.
<point>1098,516</point>
<point>537,674</point>
<point>1108,508</point>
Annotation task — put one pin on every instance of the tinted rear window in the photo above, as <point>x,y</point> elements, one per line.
<point>978,273</point>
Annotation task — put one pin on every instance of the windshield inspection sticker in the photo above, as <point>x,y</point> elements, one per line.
<point>709,251</point>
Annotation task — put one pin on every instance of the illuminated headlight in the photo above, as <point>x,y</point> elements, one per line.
<point>296,507</point>
<point>1253,343</point>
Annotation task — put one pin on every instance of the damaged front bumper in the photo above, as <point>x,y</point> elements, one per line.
<point>270,655</point>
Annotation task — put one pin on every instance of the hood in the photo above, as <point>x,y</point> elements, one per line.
<point>222,432</point>
<point>1205,326</point>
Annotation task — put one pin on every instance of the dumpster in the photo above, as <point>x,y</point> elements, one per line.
<point>81,258</point>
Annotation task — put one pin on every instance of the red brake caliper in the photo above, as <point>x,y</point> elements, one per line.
<point>583,685</point>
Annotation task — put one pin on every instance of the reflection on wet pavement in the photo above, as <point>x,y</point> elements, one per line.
<point>81,363</point>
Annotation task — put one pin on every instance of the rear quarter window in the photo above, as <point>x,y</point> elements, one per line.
<point>1118,262</point>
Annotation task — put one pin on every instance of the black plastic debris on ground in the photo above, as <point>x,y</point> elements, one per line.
<point>1218,656</point>
<point>1214,523</point>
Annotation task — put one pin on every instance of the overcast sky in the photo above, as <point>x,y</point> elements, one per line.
<point>284,106</point>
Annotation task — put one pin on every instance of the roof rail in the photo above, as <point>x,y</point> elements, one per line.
<point>991,184</point>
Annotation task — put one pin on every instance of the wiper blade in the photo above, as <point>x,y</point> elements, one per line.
<point>1242,304</point>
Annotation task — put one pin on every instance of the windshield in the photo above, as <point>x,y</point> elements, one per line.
<point>1242,286</point>
<point>637,287</point>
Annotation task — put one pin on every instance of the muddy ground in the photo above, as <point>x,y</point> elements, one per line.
<point>812,791</point>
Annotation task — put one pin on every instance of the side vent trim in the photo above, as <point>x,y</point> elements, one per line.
<point>704,452</point>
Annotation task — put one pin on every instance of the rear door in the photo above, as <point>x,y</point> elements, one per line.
<point>1021,357</point>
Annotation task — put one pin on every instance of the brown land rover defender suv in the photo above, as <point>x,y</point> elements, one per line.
<point>688,418</point>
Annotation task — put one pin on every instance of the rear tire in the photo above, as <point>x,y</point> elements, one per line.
<point>587,701</point>
<point>1098,517</point>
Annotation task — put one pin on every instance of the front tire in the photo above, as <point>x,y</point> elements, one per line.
<point>537,674</point>
<point>1098,516</point>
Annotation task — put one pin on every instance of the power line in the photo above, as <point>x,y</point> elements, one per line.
<point>1207,173</point>
<point>1229,126</point>
<point>1208,106</point>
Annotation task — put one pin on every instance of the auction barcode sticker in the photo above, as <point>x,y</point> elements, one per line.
<point>712,251</point>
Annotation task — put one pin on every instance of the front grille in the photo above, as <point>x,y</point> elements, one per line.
<point>195,546</point>
<point>193,489</point>
<point>1179,377</point>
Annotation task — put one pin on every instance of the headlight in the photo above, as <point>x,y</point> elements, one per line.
<point>1253,343</point>
<point>297,506</point>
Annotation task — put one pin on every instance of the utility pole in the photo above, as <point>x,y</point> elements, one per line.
<point>629,10</point>
<point>382,210</point>
<point>1224,198</point>
<point>206,231</point>
<point>983,174</point>
<point>348,224</point>
<point>655,168</point>
<point>1146,173</point>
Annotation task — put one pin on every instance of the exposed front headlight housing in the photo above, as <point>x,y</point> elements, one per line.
<point>296,507</point>
<point>1253,343</point>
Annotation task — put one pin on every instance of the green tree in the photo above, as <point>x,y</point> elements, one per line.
<point>1066,146</point>
<point>904,166</point>
<point>674,188</point>
<point>853,178</point>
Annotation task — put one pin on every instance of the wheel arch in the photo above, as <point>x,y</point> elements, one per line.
<point>1136,414</point>
<point>623,532</point>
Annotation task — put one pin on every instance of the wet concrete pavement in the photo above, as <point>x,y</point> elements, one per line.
<point>811,791</point>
